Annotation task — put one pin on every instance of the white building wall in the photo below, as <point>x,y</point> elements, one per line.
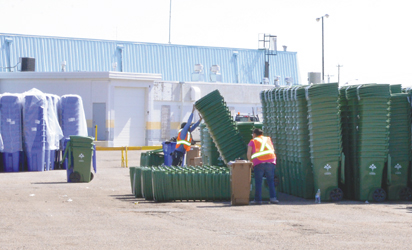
<point>93,87</point>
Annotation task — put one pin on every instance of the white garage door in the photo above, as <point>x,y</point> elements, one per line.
<point>129,119</point>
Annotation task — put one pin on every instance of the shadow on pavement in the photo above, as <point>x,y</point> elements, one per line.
<point>284,200</point>
<point>125,197</point>
<point>63,182</point>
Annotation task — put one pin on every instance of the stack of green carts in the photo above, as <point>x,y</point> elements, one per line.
<point>286,120</point>
<point>325,139</point>
<point>399,147</point>
<point>368,112</point>
<point>221,126</point>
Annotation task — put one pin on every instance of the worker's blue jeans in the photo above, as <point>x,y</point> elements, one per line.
<point>177,158</point>
<point>269,170</point>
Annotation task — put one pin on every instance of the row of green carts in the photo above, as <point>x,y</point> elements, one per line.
<point>353,141</point>
<point>191,183</point>
<point>162,183</point>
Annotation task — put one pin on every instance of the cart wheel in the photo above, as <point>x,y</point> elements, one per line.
<point>276,181</point>
<point>336,194</point>
<point>75,177</point>
<point>405,194</point>
<point>91,176</point>
<point>379,195</point>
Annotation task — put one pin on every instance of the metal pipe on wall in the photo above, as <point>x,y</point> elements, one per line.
<point>182,100</point>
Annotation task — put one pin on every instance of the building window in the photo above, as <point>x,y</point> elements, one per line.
<point>165,121</point>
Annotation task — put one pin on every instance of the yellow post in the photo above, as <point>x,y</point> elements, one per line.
<point>95,132</point>
<point>127,161</point>
<point>122,164</point>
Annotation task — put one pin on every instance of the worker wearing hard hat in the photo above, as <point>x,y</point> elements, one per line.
<point>262,154</point>
<point>184,139</point>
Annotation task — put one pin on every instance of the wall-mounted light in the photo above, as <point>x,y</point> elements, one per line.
<point>63,66</point>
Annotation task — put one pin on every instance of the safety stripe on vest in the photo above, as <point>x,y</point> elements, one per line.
<point>255,155</point>
<point>262,147</point>
<point>185,142</point>
<point>263,143</point>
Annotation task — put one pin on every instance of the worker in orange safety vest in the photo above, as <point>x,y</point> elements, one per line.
<point>262,154</point>
<point>184,139</point>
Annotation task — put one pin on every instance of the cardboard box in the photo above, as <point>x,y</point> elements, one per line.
<point>191,162</point>
<point>191,155</point>
<point>198,161</point>
<point>240,175</point>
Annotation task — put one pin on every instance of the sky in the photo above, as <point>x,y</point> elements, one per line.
<point>372,39</point>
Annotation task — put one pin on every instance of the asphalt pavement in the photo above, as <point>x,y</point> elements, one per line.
<point>40,210</point>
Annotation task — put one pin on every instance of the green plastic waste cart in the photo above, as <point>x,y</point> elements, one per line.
<point>80,153</point>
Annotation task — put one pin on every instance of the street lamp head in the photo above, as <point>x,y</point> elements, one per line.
<point>326,15</point>
<point>317,19</point>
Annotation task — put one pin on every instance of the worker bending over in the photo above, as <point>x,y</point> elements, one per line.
<point>261,152</point>
<point>184,139</point>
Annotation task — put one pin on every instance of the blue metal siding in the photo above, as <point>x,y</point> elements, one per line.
<point>174,62</point>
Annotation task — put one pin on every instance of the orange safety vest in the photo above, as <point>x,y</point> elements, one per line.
<point>187,142</point>
<point>264,149</point>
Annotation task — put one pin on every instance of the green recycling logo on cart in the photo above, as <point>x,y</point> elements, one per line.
<point>327,167</point>
<point>372,167</point>
<point>398,166</point>
<point>81,156</point>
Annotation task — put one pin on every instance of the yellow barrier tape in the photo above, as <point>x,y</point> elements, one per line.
<point>128,148</point>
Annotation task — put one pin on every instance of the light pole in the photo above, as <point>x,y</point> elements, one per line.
<point>339,66</point>
<point>323,51</point>
<point>170,19</point>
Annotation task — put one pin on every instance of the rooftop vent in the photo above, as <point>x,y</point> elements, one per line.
<point>289,81</point>
<point>198,67</point>
<point>314,77</point>
<point>197,75</point>
<point>215,75</point>
<point>215,69</point>
<point>276,81</point>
